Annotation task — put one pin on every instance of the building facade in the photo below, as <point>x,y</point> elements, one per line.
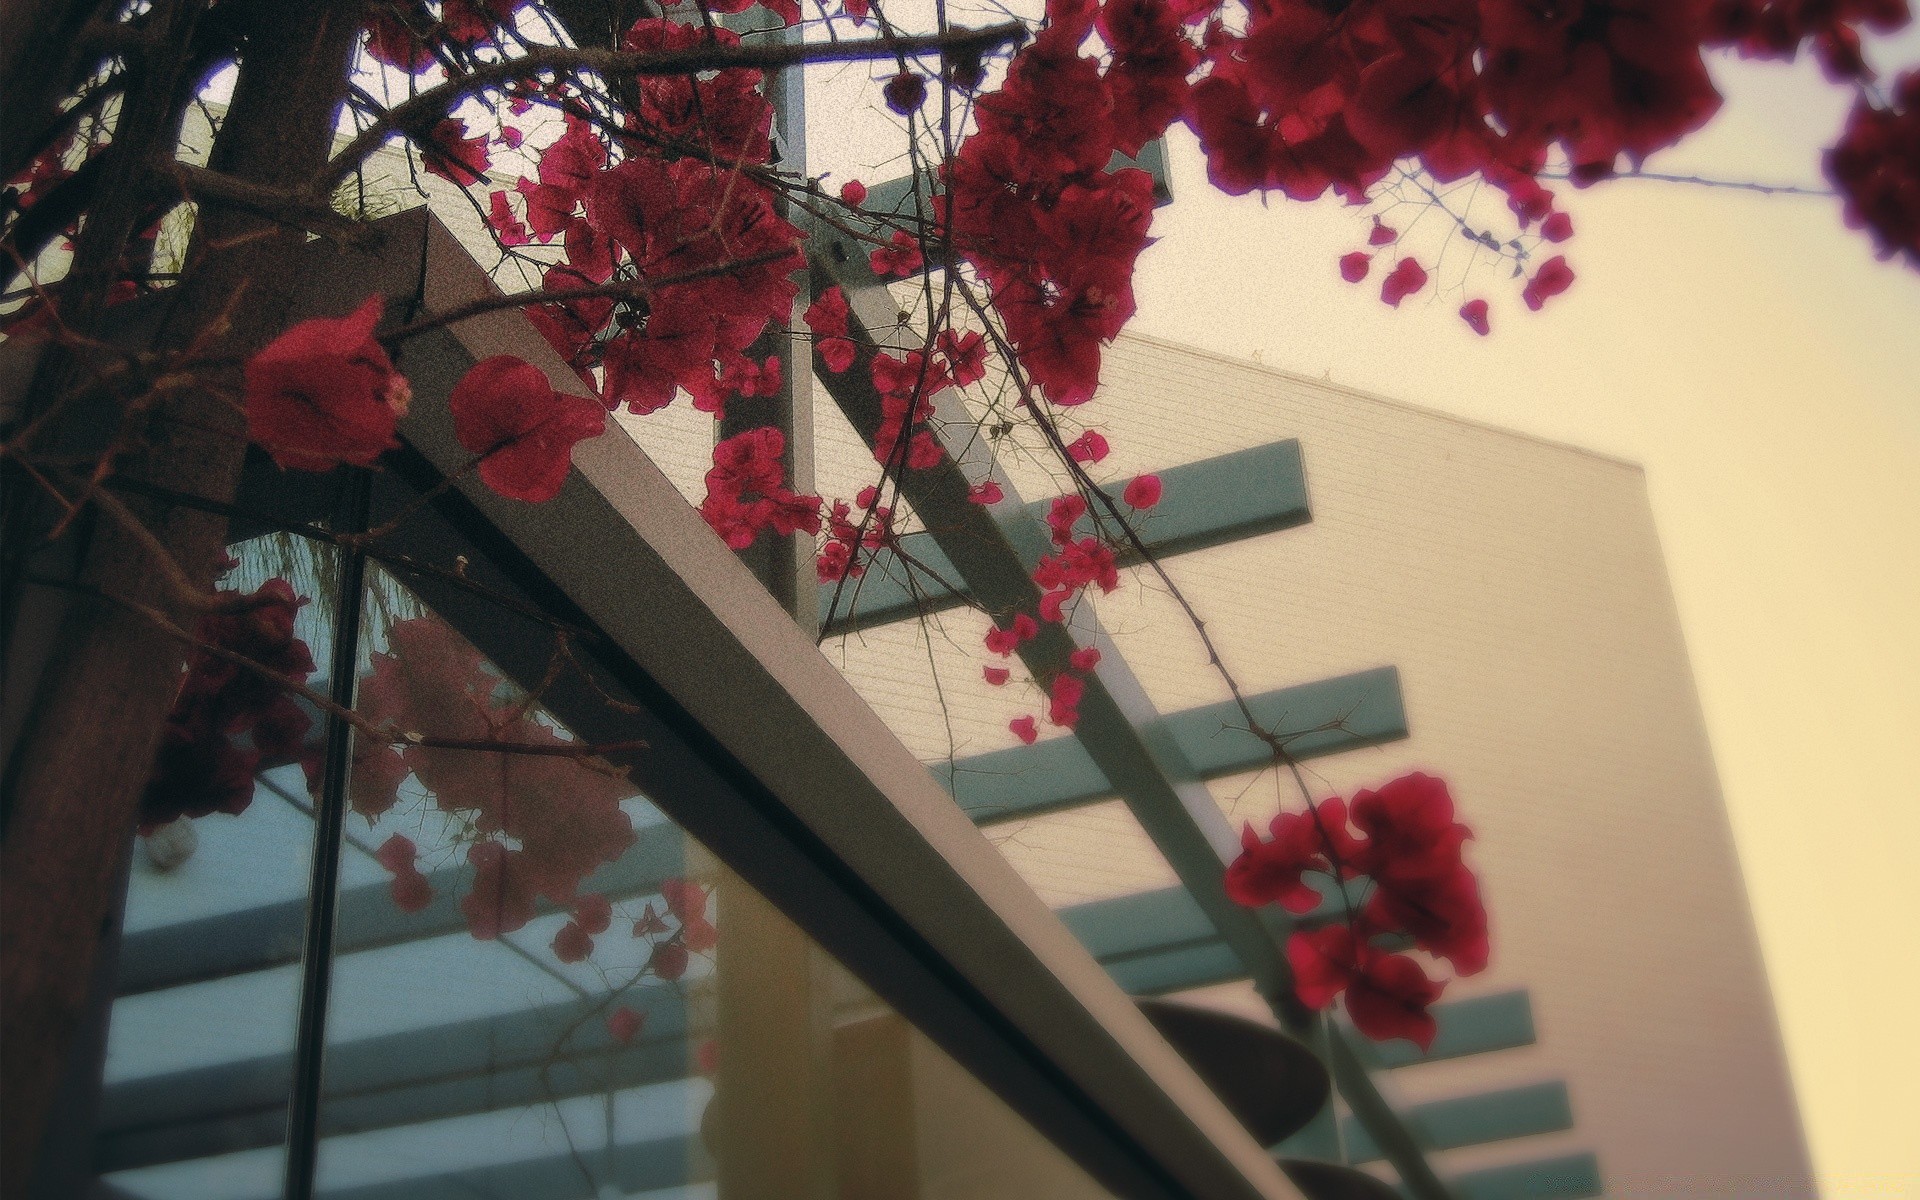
<point>888,1008</point>
<point>1518,587</point>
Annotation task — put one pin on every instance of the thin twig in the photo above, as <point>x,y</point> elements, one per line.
<point>437,101</point>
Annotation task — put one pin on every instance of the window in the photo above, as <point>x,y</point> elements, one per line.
<point>519,975</point>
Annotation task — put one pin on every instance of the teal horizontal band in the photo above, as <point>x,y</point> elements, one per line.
<point>1564,1178</point>
<point>1325,717</point>
<point>1473,1120</point>
<point>1203,504</point>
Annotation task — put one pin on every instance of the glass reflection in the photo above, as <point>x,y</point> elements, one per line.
<point>541,987</point>
<point>201,1034</point>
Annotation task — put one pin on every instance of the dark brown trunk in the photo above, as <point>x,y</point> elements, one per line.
<point>42,56</point>
<point>85,751</point>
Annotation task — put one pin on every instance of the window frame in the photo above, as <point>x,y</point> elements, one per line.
<point>862,849</point>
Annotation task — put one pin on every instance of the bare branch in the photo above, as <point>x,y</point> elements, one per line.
<point>287,207</point>
<point>436,102</point>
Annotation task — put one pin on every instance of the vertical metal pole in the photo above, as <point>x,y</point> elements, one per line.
<point>329,820</point>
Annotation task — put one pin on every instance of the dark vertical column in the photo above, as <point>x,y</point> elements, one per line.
<point>785,565</point>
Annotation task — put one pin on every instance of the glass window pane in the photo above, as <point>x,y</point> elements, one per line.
<point>544,988</point>
<point>201,1033</point>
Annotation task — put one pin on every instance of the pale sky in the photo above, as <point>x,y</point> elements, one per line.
<point>1753,355</point>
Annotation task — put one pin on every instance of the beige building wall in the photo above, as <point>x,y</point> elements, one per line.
<point>1519,588</point>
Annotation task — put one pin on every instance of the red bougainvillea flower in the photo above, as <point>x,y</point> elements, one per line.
<point>1355,265</point>
<point>1413,852</point>
<point>986,492</point>
<point>1391,998</point>
<point>1381,235</point>
<point>1388,995</point>
<point>411,891</point>
<point>505,411</point>
<point>687,901</point>
<point>649,924</point>
<point>905,92</point>
<point>573,943</point>
<point>1084,659</point>
<point>390,41</point>
<point>624,1024</point>
<point>1024,729</point>
<point>1876,168</point>
<point>897,259</point>
<point>1404,842</point>
<point>1444,916</point>
<point>1553,278</point>
<point>684,898</point>
<point>1474,313</point>
<point>1005,641</point>
<point>1557,228</point>
<point>1271,872</point>
<point>747,493</point>
<point>827,317</point>
<point>324,393</point>
<point>201,769</point>
<point>668,960</point>
<point>594,912</point>
<point>1063,700</point>
<point>510,229</point>
<point>1410,830</point>
<point>1062,514</point>
<point>853,192</point>
<point>1406,278</point>
<point>449,153</point>
<point>965,355</point>
<point>1601,77</point>
<point>1142,492</point>
<point>994,675</point>
<point>699,934</point>
<point>1089,447</point>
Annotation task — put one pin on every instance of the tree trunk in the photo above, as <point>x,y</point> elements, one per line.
<point>42,54</point>
<point>89,739</point>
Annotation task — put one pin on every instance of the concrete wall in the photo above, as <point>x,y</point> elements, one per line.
<point>1518,586</point>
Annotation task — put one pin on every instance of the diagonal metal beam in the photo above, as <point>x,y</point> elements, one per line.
<point>1503,1021</point>
<point>1474,1120</point>
<point>989,550</point>
<point>1562,1178</point>
<point>1120,729</point>
<point>1333,715</point>
<point>1209,503</point>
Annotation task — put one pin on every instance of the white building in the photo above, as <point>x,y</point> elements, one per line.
<point>1518,587</point>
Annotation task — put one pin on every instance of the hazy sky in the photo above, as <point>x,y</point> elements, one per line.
<point>1765,369</point>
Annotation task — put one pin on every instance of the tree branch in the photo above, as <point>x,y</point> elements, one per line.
<point>307,212</point>
<point>1738,185</point>
<point>620,289</point>
<point>437,101</point>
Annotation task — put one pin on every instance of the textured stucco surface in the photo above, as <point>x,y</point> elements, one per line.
<point>1519,588</point>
